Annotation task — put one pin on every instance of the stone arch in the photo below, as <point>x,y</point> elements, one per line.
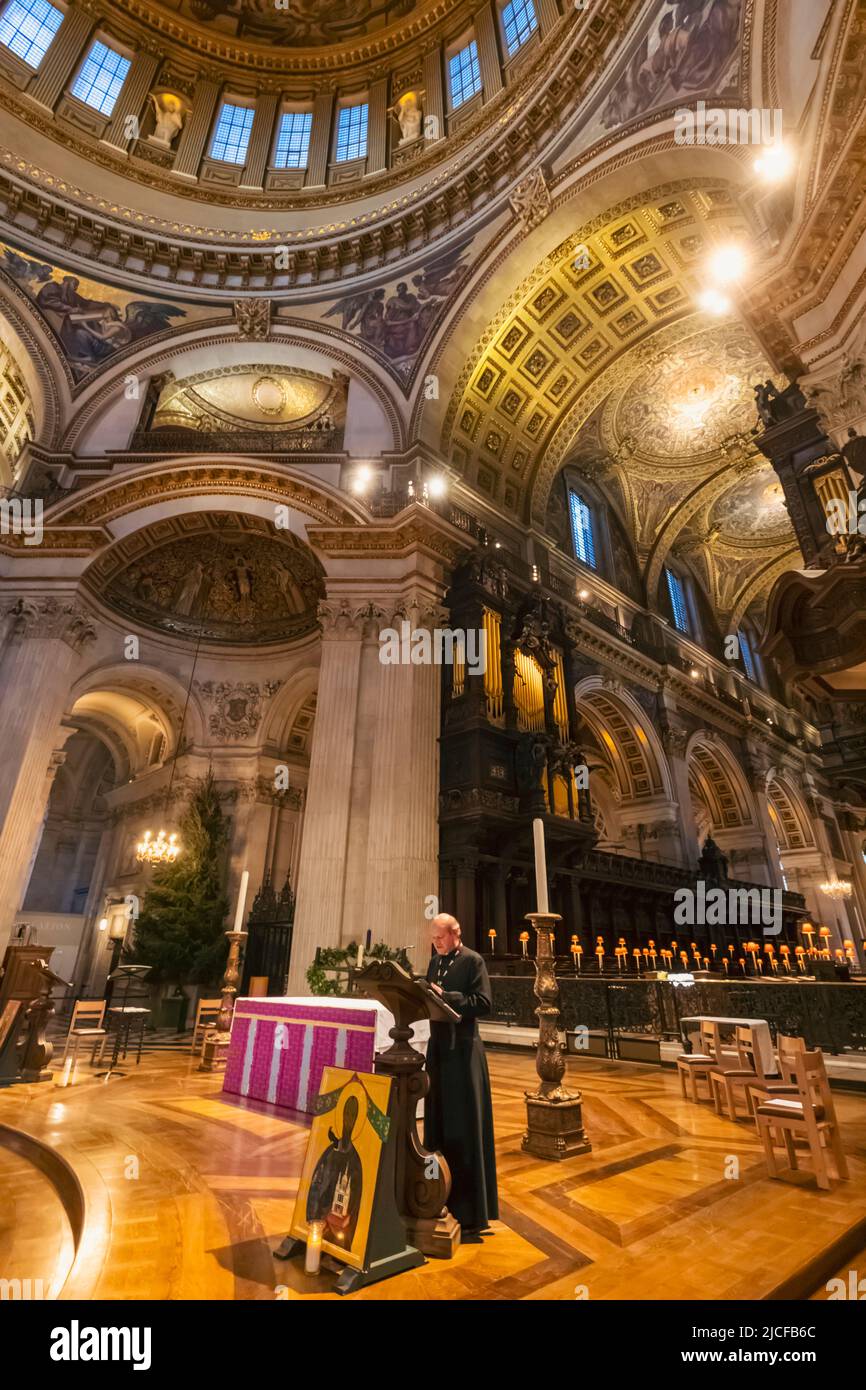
<point>716,780</point>
<point>631,744</point>
<point>289,720</point>
<point>128,708</point>
<point>789,815</point>
<point>48,378</point>
<point>180,348</point>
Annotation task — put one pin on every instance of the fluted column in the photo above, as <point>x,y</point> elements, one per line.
<point>131,99</point>
<point>488,52</point>
<point>548,14</point>
<point>261,137</point>
<point>402,850</point>
<point>44,640</point>
<point>56,67</point>
<point>194,135</point>
<point>377,121</point>
<point>434,94</point>
<point>322,868</point>
<point>320,140</point>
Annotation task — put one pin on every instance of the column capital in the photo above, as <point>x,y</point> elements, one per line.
<point>50,617</point>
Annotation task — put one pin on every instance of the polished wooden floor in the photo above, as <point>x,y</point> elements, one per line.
<point>185,1196</point>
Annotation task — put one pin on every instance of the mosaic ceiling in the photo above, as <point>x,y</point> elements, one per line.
<point>228,579</point>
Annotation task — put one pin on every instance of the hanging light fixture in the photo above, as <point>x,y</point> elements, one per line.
<point>165,848</point>
<point>837,888</point>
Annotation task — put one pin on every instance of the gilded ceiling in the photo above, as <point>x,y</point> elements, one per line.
<point>532,380</point>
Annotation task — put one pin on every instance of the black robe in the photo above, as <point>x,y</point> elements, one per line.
<point>458,1112</point>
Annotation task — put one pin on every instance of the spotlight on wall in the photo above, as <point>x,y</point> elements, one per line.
<point>436,486</point>
<point>103,924</point>
<point>775,163</point>
<point>361,478</point>
<point>727,263</point>
<point>713,302</point>
<point>583,595</point>
<point>695,673</point>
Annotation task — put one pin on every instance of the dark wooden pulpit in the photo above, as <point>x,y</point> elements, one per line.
<point>422,1179</point>
<point>26,982</point>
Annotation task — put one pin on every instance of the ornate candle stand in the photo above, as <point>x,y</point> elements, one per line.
<point>554,1122</point>
<point>216,1039</point>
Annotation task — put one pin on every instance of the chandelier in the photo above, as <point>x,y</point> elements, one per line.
<point>162,850</point>
<point>837,888</point>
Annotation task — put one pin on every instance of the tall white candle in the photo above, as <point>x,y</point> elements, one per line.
<point>540,866</point>
<point>242,898</point>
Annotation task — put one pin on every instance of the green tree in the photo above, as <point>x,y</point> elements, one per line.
<point>180,931</point>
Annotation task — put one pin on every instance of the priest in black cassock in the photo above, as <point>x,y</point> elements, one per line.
<point>458,1112</point>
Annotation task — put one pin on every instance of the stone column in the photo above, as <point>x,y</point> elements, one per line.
<point>322,868</point>
<point>402,845</point>
<point>131,99</point>
<point>57,65</point>
<point>434,94</point>
<point>320,140</point>
<point>674,741</point>
<point>488,52</point>
<point>44,639</point>
<point>548,14</point>
<point>194,135</point>
<point>261,137</point>
<point>377,127</point>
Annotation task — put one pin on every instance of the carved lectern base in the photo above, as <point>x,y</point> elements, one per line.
<point>437,1237</point>
<point>554,1128</point>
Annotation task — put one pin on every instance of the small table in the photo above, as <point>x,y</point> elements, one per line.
<point>760,1032</point>
<point>121,1022</point>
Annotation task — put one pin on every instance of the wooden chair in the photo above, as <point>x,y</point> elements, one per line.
<point>785,1084</point>
<point>205,1017</point>
<point>89,1012</point>
<point>810,1117</point>
<point>696,1066</point>
<point>725,1083</point>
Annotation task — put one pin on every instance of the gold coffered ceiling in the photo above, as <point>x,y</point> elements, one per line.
<point>611,285</point>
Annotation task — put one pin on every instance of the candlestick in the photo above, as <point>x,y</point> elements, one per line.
<point>360,954</point>
<point>540,866</point>
<point>313,1254</point>
<point>725,963</point>
<point>492,936</point>
<point>524,938</point>
<point>242,898</point>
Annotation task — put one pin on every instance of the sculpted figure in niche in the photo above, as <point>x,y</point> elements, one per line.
<point>409,114</point>
<point>170,112</point>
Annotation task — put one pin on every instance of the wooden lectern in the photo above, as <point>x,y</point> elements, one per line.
<point>423,1180</point>
<point>26,983</point>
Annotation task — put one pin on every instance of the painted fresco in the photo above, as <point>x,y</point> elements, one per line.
<point>92,322</point>
<point>397,320</point>
<point>689,47</point>
<point>301,23</point>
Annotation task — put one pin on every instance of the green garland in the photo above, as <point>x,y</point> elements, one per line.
<point>339,959</point>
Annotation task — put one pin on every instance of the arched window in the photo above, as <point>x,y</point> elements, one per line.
<point>582,531</point>
<point>749,657</point>
<point>679,602</point>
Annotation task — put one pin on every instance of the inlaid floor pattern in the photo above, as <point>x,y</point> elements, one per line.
<point>188,1194</point>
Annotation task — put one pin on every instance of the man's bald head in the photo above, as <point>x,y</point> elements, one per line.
<point>445,932</point>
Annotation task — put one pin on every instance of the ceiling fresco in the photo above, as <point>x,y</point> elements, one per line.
<point>295,23</point>
<point>91,321</point>
<point>689,46</point>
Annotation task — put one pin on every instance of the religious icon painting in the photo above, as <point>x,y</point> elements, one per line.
<point>338,1183</point>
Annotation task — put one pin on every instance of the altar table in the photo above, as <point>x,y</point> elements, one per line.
<point>280,1047</point>
<point>760,1033</point>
